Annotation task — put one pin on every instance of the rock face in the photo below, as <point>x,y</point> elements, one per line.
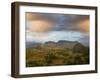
<point>79,48</point>
<point>61,43</point>
<point>50,44</point>
<point>66,44</point>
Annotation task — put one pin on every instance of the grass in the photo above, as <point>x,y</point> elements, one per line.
<point>54,56</point>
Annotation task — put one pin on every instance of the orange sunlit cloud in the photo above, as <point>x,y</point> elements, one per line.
<point>40,26</point>
<point>84,25</point>
<point>43,23</point>
<point>31,16</point>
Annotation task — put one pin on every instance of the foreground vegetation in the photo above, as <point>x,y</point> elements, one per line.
<point>48,56</point>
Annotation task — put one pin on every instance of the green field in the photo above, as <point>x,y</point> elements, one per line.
<point>48,56</point>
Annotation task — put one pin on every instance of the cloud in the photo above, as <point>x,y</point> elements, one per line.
<point>84,25</point>
<point>46,22</point>
<point>40,26</point>
<point>32,16</point>
<point>52,36</point>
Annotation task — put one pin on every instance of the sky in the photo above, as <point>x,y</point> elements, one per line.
<point>43,27</point>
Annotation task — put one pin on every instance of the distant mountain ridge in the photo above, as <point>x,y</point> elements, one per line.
<point>60,43</point>
<point>32,44</point>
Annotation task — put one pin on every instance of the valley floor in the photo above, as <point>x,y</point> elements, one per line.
<point>54,56</point>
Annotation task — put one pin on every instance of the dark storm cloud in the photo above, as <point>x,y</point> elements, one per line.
<point>64,22</point>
